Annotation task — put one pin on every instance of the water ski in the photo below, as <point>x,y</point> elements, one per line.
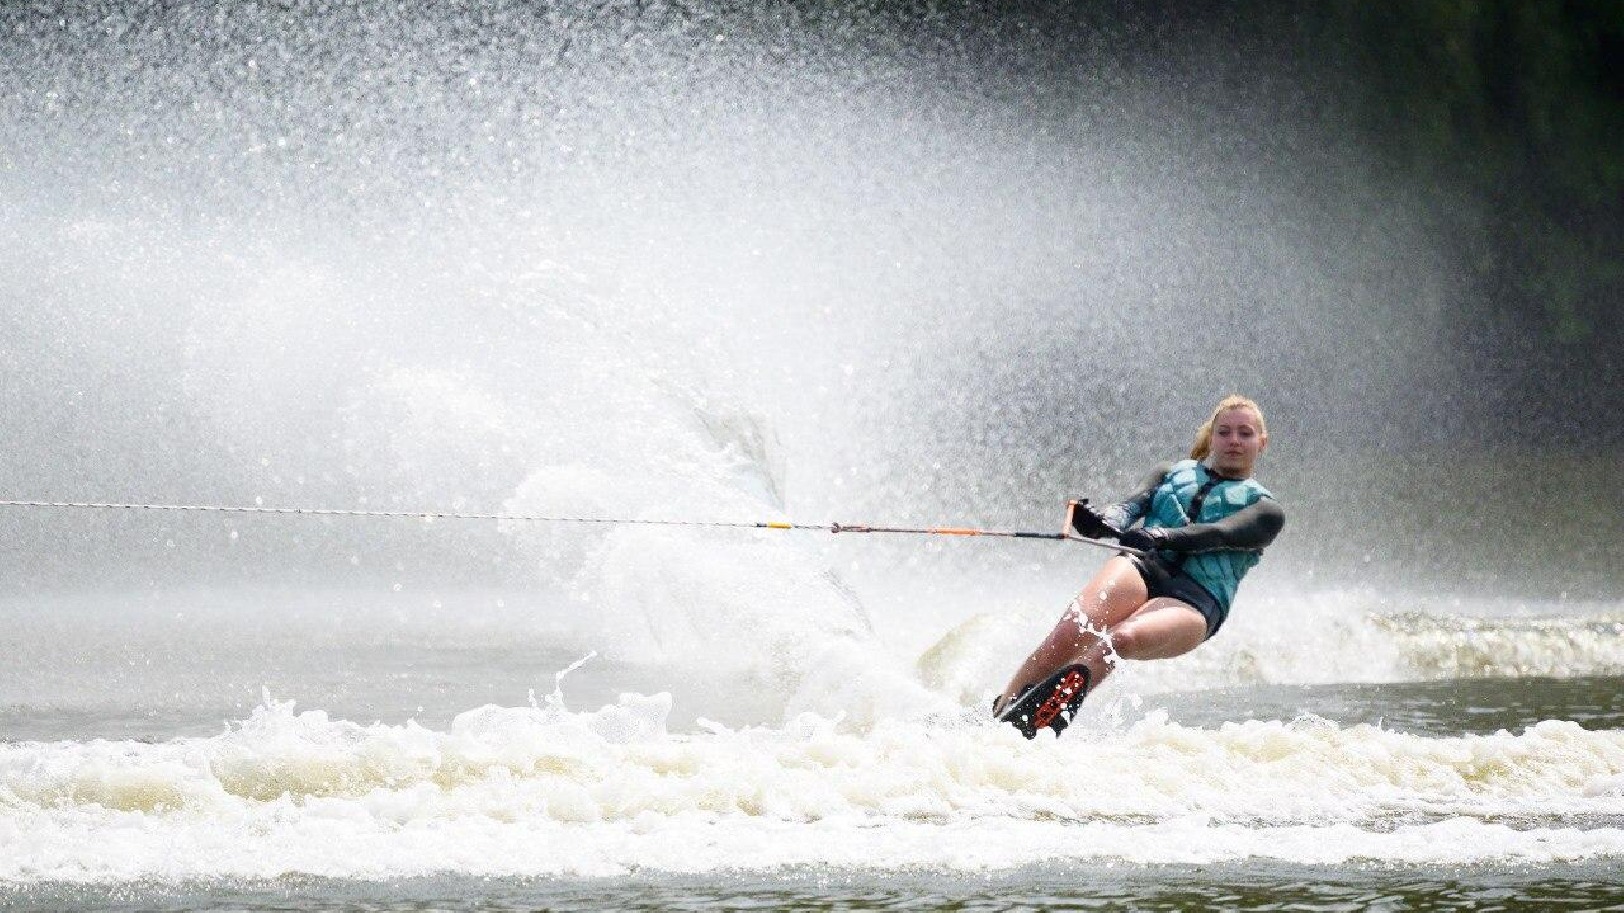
<point>1051,703</point>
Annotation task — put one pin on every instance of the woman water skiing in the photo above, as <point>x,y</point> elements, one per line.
<point>1203,523</point>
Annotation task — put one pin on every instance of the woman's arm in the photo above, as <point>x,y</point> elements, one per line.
<point>1250,527</point>
<point>1133,508</point>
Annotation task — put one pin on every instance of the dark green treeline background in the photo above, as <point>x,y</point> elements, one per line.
<point>1513,114</point>
<point>1503,120</point>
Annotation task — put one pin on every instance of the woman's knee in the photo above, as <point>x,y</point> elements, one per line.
<point>1127,641</point>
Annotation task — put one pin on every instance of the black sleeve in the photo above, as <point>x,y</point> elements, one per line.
<point>1250,527</point>
<point>1133,508</point>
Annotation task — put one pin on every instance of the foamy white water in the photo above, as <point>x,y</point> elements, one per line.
<point>544,791</point>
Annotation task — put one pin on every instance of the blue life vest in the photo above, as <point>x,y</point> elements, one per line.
<point>1219,572</point>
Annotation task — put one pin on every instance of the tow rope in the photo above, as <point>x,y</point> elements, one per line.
<point>537,518</point>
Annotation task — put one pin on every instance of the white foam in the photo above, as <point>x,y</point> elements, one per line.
<point>541,790</point>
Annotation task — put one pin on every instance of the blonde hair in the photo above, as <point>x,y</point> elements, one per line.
<point>1203,436</point>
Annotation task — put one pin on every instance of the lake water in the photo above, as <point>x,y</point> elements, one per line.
<point>329,750</point>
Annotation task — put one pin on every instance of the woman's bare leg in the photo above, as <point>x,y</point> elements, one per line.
<point>1162,629</point>
<point>1113,596</point>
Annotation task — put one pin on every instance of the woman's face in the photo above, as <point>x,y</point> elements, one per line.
<point>1237,439</point>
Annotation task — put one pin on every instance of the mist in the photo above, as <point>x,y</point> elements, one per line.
<point>704,263</point>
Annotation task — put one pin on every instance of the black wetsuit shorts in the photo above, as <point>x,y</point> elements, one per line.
<point>1161,580</point>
